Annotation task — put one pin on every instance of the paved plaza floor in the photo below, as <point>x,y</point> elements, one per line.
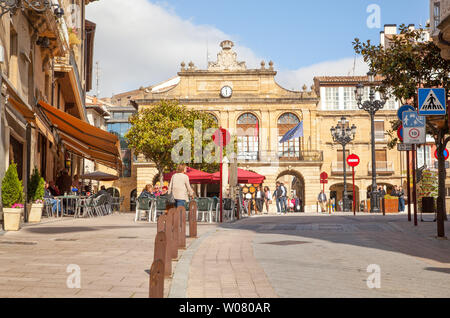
<point>300,255</point>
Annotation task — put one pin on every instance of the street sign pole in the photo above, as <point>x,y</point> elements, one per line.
<point>354,197</point>
<point>414,184</point>
<point>408,185</point>
<point>221,174</point>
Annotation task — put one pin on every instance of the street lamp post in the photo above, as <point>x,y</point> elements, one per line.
<point>343,134</point>
<point>371,106</point>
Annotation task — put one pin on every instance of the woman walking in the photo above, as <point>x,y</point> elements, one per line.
<point>267,198</point>
<point>259,200</point>
<point>179,186</point>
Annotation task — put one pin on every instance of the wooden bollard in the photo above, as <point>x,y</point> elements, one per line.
<point>163,253</point>
<point>193,219</point>
<point>181,213</point>
<point>157,279</point>
<point>176,231</point>
<point>171,229</point>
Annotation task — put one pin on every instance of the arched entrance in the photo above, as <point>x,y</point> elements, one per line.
<point>337,194</point>
<point>113,192</point>
<point>133,196</point>
<point>295,185</point>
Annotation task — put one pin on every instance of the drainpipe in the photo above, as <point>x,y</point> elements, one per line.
<point>28,168</point>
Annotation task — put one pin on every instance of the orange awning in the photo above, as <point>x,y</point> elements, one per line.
<point>84,139</point>
<point>30,116</point>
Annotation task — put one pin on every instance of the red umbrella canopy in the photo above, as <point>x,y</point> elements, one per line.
<point>195,176</point>
<point>244,176</point>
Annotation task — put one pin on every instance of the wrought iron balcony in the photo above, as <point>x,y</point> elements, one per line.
<point>383,167</point>
<point>274,156</point>
<point>337,167</point>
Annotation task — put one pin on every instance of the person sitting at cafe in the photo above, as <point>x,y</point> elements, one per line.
<point>64,182</point>
<point>48,196</point>
<point>156,191</point>
<point>147,192</point>
<point>102,191</point>
<point>164,193</point>
<point>53,189</point>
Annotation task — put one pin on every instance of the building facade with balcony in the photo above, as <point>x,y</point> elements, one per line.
<point>258,111</point>
<point>440,25</point>
<point>45,68</point>
<point>337,99</point>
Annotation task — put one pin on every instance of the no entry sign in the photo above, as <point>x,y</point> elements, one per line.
<point>353,160</point>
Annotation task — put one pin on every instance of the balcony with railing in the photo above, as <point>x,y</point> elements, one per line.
<point>383,167</point>
<point>337,167</point>
<point>380,135</point>
<point>312,156</point>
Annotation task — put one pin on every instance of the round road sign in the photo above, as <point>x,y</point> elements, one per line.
<point>400,133</point>
<point>353,160</point>
<point>446,154</point>
<point>404,108</point>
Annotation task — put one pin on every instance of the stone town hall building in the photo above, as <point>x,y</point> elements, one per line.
<point>252,100</point>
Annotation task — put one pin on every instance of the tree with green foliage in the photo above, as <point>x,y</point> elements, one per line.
<point>12,188</point>
<point>36,187</point>
<point>406,64</point>
<point>152,131</point>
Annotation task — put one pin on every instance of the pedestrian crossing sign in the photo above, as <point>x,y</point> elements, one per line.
<point>432,101</point>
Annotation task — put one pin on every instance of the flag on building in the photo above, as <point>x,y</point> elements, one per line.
<point>295,132</point>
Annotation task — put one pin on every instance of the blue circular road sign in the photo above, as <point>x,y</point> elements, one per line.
<point>404,108</point>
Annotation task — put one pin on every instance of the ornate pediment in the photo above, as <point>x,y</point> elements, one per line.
<point>227,59</point>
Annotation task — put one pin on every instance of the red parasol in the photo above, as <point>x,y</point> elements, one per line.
<point>244,177</point>
<point>195,176</point>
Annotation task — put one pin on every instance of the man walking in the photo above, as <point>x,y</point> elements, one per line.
<point>277,193</point>
<point>283,198</point>
<point>322,198</point>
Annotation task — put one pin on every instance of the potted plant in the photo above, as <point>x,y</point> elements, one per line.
<point>35,197</point>
<point>12,199</point>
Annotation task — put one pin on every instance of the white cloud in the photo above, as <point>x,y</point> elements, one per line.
<point>139,43</point>
<point>305,75</point>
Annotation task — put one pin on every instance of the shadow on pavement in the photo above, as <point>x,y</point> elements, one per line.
<point>66,229</point>
<point>438,269</point>
<point>389,233</point>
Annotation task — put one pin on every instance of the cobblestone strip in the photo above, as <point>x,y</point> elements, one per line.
<point>178,286</point>
<point>225,267</point>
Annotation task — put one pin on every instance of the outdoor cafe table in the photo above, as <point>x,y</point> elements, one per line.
<point>70,200</point>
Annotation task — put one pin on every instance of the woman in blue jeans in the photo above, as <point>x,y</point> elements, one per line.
<point>180,187</point>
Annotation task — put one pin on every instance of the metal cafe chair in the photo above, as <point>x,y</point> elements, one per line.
<point>143,204</point>
<point>228,209</point>
<point>159,208</point>
<point>204,208</point>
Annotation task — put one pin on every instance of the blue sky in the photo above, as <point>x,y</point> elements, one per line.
<point>303,38</point>
<point>297,33</point>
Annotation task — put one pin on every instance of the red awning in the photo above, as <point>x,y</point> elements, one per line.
<point>244,177</point>
<point>195,176</point>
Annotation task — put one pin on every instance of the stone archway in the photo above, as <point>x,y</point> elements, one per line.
<point>295,185</point>
<point>133,198</point>
<point>337,193</point>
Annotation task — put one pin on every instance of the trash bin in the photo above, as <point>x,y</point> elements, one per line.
<point>428,205</point>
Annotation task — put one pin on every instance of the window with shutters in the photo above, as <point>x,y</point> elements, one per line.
<point>379,130</point>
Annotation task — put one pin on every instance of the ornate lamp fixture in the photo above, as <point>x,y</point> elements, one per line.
<point>343,134</point>
<point>371,106</point>
<point>39,6</point>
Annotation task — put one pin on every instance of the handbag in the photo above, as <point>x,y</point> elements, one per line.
<point>170,197</point>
